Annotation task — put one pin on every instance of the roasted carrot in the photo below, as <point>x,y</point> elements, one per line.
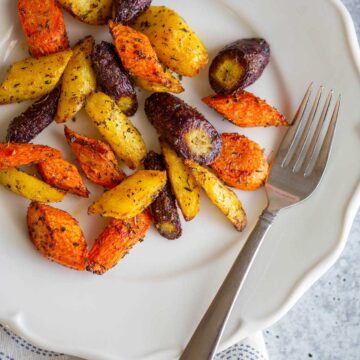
<point>221,196</point>
<point>139,58</point>
<point>136,52</point>
<point>12,154</point>
<point>241,163</point>
<point>63,175</point>
<point>131,197</point>
<point>248,180</point>
<point>43,25</point>
<point>57,235</point>
<point>238,153</point>
<point>244,109</point>
<point>28,186</point>
<point>96,159</point>
<point>115,242</point>
<point>163,210</point>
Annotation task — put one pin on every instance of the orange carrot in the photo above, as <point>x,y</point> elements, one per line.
<point>138,56</point>
<point>115,242</point>
<point>241,162</point>
<point>13,154</point>
<point>238,153</point>
<point>248,180</point>
<point>63,175</point>
<point>244,109</point>
<point>43,25</point>
<point>96,159</point>
<point>57,235</point>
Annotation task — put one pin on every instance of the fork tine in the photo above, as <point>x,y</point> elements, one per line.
<point>309,157</point>
<point>298,154</point>
<point>326,145</point>
<point>285,144</point>
<point>300,111</point>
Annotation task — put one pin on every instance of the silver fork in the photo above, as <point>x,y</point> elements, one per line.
<point>296,172</point>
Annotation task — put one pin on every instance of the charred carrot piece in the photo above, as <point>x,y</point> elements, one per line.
<point>96,159</point>
<point>43,25</point>
<point>63,175</point>
<point>241,163</point>
<point>138,56</point>
<point>115,242</point>
<point>13,154</point>
<point>244,109</point>
<point>57,235</point>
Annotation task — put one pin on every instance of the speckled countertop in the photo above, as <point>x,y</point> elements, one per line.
<point>325,323</point>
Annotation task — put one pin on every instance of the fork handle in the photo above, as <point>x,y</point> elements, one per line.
<point>203,343</point>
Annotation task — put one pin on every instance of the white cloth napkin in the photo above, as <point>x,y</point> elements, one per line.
<point>13,347</point>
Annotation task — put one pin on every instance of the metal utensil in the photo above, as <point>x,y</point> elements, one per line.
<point>296,172</point>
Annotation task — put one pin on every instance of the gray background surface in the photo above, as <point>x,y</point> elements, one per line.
<point>325,323</point>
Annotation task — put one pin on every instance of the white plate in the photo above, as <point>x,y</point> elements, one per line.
<point>148,306</point>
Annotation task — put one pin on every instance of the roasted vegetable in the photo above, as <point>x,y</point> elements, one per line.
<point>136,53</point>
<point>12,155</point>
<point>132,196</point>
<point>62,175</point>
<point>43,25</point>
<point>92,12</point>
<point>238,153</point>
<point>238,65</point>
<point>57,235</point>
<point>113,78</point>
<point>241,163</point>
<point>116,240</point>
<point>96,159</point>
<point>173,86</point>
<point>249,180</point>
<point>163,209</point>
<point>139,58</point>
<point>31,78</point>
<point>126,11</point>
<point>225,199</point>
<point>175,43</point>
<point>117,129</point>
<point>34,119</point>
<point>78,81</point>
<point>29,186</point>
<point>183,127</point>
<point>183,183</point>
<point>244,109</point>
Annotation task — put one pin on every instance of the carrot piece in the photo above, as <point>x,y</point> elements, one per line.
<point>57,235</point>
<point>115,242</point>
<point>248,180</point>
<point>241,163</point>
<point>28,186</point>
<point>136,52</point>
<point>238,153</point>
<point>138,56</point>
<point>43,25</point>
<point>244,109</point>
<point>96,159</point>
<point>13,154</point>
<point>63,175</point>
<point>221,196</point>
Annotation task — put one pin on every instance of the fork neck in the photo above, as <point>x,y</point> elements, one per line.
<point>268,215</point>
